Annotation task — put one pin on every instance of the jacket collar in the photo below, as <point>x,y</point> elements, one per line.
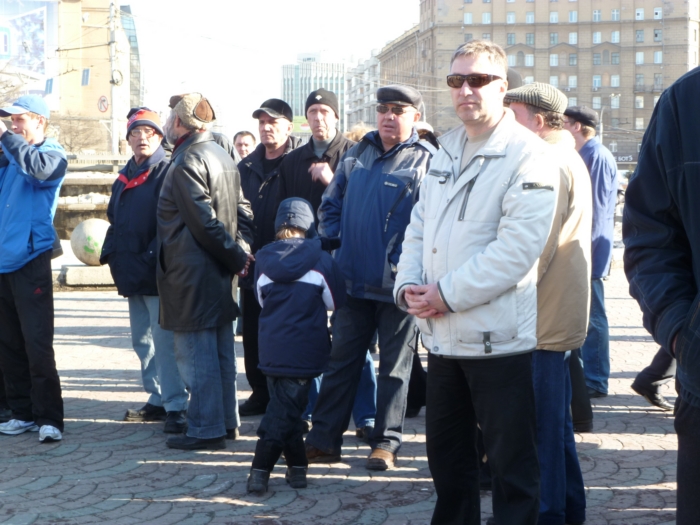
<point>195,138</point>
<point>373,138</point>
<point>333,147</point>
<point>151,161</point>
<point>254,161</point>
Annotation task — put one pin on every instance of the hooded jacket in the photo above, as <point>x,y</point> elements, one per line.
<point>478,234</point>
<point>130,244</point>
<point>30,181</point>
<point>296,283</point>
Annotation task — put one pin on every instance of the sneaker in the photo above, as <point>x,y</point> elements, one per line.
<point>147,412</point>
<point>16,426</point>
<point>49,434</point>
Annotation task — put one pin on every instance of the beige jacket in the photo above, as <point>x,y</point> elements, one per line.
<point>479,235</point>
<point>564,272</point>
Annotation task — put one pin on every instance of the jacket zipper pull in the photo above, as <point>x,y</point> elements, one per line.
<point>487,342</point>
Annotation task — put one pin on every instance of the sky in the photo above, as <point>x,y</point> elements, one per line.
<point>233,51</point>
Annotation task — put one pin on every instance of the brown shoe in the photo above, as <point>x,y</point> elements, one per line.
<point>381,459</point>
<point>315,455</point>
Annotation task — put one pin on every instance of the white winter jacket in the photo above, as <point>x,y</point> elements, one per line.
<point>479,237</point>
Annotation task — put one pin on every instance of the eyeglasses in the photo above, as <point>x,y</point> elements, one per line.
<point>396,110</point>
<point>475,80</point>
<point>146,132</point>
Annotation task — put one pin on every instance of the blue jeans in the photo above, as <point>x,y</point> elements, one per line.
<point>562,494</point>
<point>596,348</point>
<point>156,351</point>
<point>353,330</point>
<point>207,363</point>
<point>364,408</point>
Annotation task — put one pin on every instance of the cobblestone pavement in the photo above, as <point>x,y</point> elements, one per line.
<point>108,471</point>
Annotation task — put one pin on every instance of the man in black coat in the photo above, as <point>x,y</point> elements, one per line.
<point>260,178</point>
<point>204,231</point>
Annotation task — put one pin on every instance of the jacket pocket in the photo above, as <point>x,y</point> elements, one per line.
<point>495,321</point>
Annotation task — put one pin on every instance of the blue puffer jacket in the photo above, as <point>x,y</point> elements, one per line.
<point>368,205</point>
<point>130,245</point>
<point>296,283</point>
<point>661,229</point>
<point>30,180</point>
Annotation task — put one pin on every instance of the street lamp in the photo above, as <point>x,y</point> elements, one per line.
<point>602,110</point>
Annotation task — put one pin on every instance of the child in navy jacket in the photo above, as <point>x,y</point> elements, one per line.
<point>296,283</point>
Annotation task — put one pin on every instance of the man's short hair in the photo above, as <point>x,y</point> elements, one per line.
<point>552,119</point>
<point>493,52</point>
<point>244,134</point>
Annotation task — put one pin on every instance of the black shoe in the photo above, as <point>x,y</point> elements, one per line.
<point>175,422</point>
<point>364,433</point>
<point>412,412</point>
<point>184,442</point>
<point>593,393</point>
<point>147,412</point>
<point>654,398</point>
<point>232,433</point>
<point>296,477</point>
<point>252,408</point>
<point>257,481</point>
<point>307,425</point>
<point>315,455</point>
<point>581,427</point>
<point>5,415</point>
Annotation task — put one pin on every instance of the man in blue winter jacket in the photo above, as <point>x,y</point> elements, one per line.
<point>368,205</point>
<point>32,169</point>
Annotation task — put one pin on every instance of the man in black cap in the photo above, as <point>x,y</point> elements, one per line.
<point>581,122</point>
<point>260,179</point>
<point>368,204</point>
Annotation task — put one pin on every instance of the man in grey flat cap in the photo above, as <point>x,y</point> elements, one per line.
<point>368,204</point>
<point>562,311</point>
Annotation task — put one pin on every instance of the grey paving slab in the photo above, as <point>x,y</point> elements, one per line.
<point>109,471</point>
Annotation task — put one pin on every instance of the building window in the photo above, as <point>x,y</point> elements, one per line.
<point>573,81</point>
<point>658,57</point>
<point>613,147</point>
<point>510,1</point>
<point>615,37</point>
<point>573,38</point>
<point>553,39</point>
<point>511,60</point>
<point>615,59</point>
<point>467,1</point>
<point>639,57</point>
<point>639,35</point>
<point>510,17</point>
<point>486,36</point>
<point>615,15</point>
<point>468,37</point>
<point>596,59</point>
<point>639,123</point>
<point>639,13</point>
<point>573,59</point>
<point>468,19</point>
<point>530,17</point>
<point>639,81</point>
<point>573,101</point>
<point>554,17</point>
<point>485,18</point>
<point>639,101</point>
<point>529,80</point>
<point>529,60</point>
<point>597,37</point>
<point>596,15</point>
<point>510,39</point>
<point>614,80</point>
<point>658,80</point>
<point>486,1</point>
<point>596,103</point>
<point>597,81</point>
<point>615,102</point>
<point>658,35</point>
<point>573,17</point>
<point>530,39</point>
<point>554,81</point>
<point>85,81</point>
<point>554,60</point>
<point>658,13</point>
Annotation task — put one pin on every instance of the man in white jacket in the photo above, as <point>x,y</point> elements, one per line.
<point>468,273</point>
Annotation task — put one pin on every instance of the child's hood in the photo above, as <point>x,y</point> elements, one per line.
<point>288,260</point>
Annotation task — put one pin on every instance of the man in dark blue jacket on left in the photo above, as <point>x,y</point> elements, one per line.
<point>32,169</point>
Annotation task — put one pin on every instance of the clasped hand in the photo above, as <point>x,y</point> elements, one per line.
<point>424,301</point>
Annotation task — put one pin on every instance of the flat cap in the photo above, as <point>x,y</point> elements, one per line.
<point>583,114</point>
<point>540,95</point>
<point>276,108</point>
<point>399,95</point>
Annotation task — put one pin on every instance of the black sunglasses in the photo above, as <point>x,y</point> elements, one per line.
<point>396,110</point>
<point>475,80</point>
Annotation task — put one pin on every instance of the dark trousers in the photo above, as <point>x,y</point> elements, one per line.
<point>26,344</point>
<point>417,384</point>
<point>281,429</point>
<point>3,396</point>
<point>497,394</point>
<point>660,370</point>
<point>256,379</point>
<point>687,426</point>
<point>581,410</point>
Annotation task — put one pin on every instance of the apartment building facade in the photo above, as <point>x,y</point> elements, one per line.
<point>361,83</point>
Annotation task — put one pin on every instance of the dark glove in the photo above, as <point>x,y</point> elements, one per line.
<point>328,244</point>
